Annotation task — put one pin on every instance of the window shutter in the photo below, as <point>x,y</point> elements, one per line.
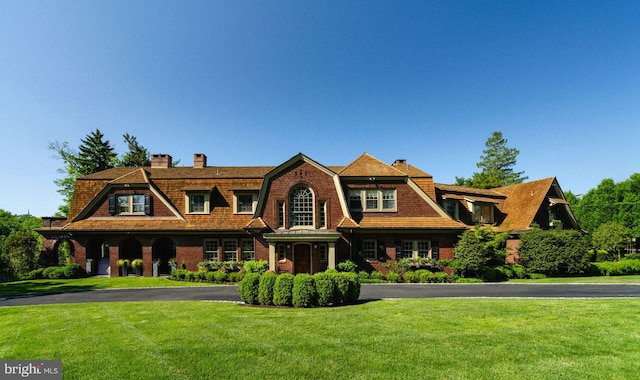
<point>112,204</point>
<point>148,204</point>
<point>382,252</point>
<point>398,244</point>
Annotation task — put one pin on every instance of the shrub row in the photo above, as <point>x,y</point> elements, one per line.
<point>219,277</point>
<point>619,268</point>
<point>67,271</point>
<point>328,288</point>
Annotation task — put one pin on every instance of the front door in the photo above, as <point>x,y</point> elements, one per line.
<point>302,258</point>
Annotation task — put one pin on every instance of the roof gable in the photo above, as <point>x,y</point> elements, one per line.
<point>368,166</point>
<point>523,202</point>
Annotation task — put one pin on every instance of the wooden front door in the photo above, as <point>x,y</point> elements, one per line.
<point>302,258</point>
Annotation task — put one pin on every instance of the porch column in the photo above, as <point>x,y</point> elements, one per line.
<point>332,255</point>
<point>272,256</point>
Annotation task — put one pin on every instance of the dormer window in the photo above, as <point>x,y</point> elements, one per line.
<point>197,203</point>
<point>374,200</point>
<point>482,212</point>
<point>131,204</point>
<point>245,202</point>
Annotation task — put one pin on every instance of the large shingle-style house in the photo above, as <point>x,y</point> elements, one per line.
<point>300,216</point>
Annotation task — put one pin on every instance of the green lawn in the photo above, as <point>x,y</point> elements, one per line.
<point>403,339</point>
<point>90,283</point>
<point>635,279</point>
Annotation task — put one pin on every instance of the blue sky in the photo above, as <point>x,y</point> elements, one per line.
<point>256,82</point>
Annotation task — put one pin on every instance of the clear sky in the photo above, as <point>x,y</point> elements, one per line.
<point>256,82</point>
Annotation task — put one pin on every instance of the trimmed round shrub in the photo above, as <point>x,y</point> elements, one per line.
<point>325,288</point>
<point>376,275</point>
<point>353,292</point>
<point>179,274</point>
<point>248,288</point>
<point>342,287</point>
<point>256,266</point>
<point>210,277</point>
<point>266,288</point>
<point>201,275</point>
<point>74,271</point>
<point>191,276</point>
<point>393,277</point>
<point>304,291</point>
<point>283,290</point>
<point>363,274</point>
<point>409,277</point>
<point>347,266</point>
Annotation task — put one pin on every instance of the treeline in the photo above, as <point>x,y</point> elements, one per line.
<point>19,244</point>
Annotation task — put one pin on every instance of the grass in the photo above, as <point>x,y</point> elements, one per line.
<point>403,339</point>
<point>90,283</point>
<point>634,279</point>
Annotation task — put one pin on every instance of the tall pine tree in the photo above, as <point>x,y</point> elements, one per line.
<point>137,156</point>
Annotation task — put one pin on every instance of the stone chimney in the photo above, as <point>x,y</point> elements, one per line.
<point>199,160</point>
<point>160,161</point>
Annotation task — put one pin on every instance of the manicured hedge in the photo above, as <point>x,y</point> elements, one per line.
<point>265,288</point>
<point>249,287</point>
<point>304,291</point>
<point>283,290</point>
<point>619,268</point>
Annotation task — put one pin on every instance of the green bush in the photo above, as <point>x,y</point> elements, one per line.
<point>74,271</point>
<point>353,291</point>
<point>220,276</point>
<point>554,252</point>
<point>478,250</point>
<point>603,255</point>
<point>210,277</point>
<point>619,268</point>
<point>201,276</point>
<point>393,277</point>
<point>632,256</point>
<point>283,290</point>
<point>35,274</point>
<point>248,288</point>
<point>347,266</point>
<point>440,277</point>
<point>376,275</point>
<point>363,274</point>
<point>256,266</point>
<point>191,276</point>
<point>178,274</point>
<point>409,277</point>
<point>326,289</point>
<point>304,291</point>
<point>425,276</point>
<point>266,288</point>
<point>342,287</point>
<point>468,280</point>
<point>53,273</point>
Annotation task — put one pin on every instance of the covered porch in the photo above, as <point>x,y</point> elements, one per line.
<point>302,251</point>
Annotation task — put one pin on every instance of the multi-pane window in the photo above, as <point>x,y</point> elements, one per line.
<point>322,252</point>
<point>374,200</point>
<point>322,206</point>
<point>281,213</point>
<point>416,248</point>
<point>482,213</point>
<point>230,250</point>
<point>248,250</point>
<point>198,203</point>
<point>451,207</point>
<point>281,250</point>
<point>210,250</point>
<point>301,207</point>
<point>130,204</point>
<point>369,248</point>
<point>245,203</point>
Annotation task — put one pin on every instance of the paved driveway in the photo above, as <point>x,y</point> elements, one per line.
<point>368,292</point>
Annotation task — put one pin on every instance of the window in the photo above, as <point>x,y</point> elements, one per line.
<point>482,212</point>
<point>301,207</point>
<point>355,200</point>
<point>413,249</point>
<point>369,248</point>
<point>374,200</point>
<point>198,203</point>
<point>281,250</point>
<point>230,250</point>
<point>245,203</point>
<point>210,250</point>
<point>281,213</point>
<point>130,204</point>
<point>322,253</point>
<point>248,250</point>
<point>322,206</point>
<point>451,207</point>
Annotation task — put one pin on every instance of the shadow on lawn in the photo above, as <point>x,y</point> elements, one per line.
<point>25,289</point>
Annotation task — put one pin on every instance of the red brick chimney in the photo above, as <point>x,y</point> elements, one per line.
<point>161,161</point>
<point>199,160</point>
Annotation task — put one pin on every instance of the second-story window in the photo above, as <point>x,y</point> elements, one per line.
<point>301,206</point>
<point>374,200</point>
<point>482,212</point>
<point>131,204</point>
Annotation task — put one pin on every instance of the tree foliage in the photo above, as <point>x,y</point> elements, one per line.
<point>478,250</point>
<point>137,155</point>
<point>21,251</point>
<point>612,237</point>
<point>554,252</point>
<point>496,166</point>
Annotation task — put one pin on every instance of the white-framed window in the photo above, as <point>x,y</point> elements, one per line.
<point>451,207</point>
<point>210,247</point>
<point>197,203</point>
<point>322,210</point>
<point>369,249</point>
<point>374,200</point>
<point>130,204</point>
<point>322,253</point>
<point>416,248</point>
<point>248,250</point>
<point>281,250</point>
<point>301,207</point>
<point>245,202</point>
<point>281,214</point>
<point>483,212</point>
<point>230,250</point>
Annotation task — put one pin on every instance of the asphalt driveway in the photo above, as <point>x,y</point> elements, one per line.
<point>229,293</point>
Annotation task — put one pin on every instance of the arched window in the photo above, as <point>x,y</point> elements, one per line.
<point>301,206</point>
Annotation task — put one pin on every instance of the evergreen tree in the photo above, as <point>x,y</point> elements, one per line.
<point>497,164</point>
<point>95,154</point>
<point>137,156</point>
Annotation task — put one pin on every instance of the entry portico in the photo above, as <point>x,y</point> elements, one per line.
<point>306,247</point>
